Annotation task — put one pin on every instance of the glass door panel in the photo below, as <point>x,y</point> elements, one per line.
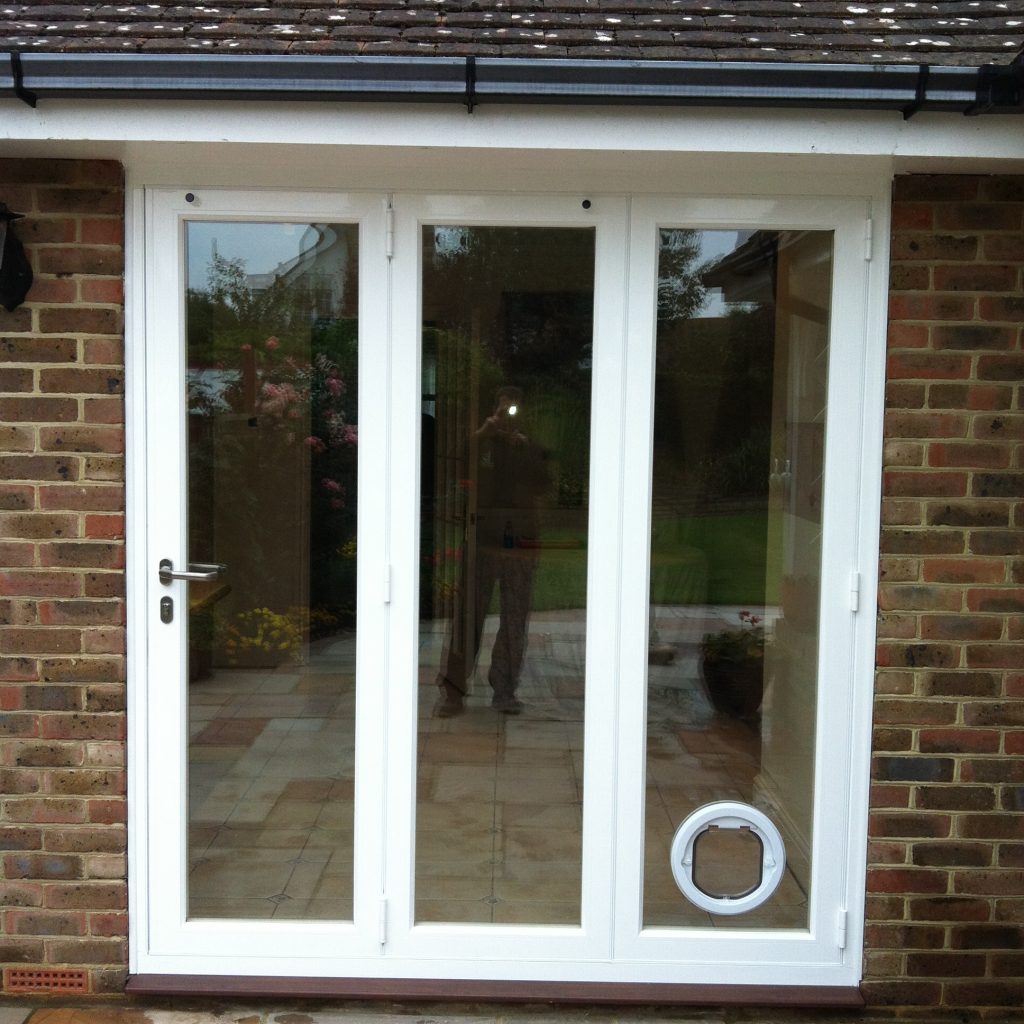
<point>739,418</point>
<point>271,323</point>
<point>507,352</point>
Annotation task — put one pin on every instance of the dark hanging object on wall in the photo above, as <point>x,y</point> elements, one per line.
<point>15,272</point>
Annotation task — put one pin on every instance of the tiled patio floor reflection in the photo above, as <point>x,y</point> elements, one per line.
<point>499,798</point>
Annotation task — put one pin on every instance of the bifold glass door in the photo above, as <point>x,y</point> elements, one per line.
<point>496,570</point>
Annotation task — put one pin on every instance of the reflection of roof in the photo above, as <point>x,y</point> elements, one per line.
<point>746,274</point>
<point>814,31</point>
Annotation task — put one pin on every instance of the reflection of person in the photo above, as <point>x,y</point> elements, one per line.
<point>511,475</point>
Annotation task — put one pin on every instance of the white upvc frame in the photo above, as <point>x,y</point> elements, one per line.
<point>519,948</point>
<point>164,942</point>
<point>171,940</point>
<point>783,956</point>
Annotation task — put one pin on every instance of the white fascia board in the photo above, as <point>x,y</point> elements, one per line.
<point>581,128</point>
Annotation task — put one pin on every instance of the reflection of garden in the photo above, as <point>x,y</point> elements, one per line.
<point>272,426</point>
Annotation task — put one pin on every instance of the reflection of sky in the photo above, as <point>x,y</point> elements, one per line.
<point>713,246</point>
<point>261,247</point>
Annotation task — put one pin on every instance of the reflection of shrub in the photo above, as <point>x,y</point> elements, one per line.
<point>263,635</point>
<point>740,470</point>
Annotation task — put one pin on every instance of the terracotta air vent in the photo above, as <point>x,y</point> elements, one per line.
<point>19,979</point>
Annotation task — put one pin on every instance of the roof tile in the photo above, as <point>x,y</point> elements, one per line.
<point>954,32</point>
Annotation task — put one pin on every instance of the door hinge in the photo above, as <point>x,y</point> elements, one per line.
<point>387,584</point>
<point>869,238</point>
<point>389,230</point>
<point>841,926</point>
<point>854,591</point>
<point>382,923</point>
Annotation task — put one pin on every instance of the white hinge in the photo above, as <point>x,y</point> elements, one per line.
<point>382,923</point>
<point>841,924</point>
<point>387,584</point>
<point>389,230</point>
<point>869,238</point>
<point>854,591</point>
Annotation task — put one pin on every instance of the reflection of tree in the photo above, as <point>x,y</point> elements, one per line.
<point>681,293</point>
<point>272,402</point>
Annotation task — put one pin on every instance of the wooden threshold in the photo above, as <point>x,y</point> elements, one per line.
<point>494,991</point>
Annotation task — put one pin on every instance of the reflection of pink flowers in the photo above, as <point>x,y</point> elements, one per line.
<point>331,485</point>
<point>335,386</point>
<point>272,343</point>
<point>247,348</point>
<point>315,444</point>
<point>337,503</point>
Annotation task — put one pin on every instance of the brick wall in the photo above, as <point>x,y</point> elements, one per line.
<point>62,808</point>
<point>946,858</point>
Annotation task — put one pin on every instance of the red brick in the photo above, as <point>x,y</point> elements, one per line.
<point>102,289</point>
<point>40,640</point>
<point>40,584</point>
<point>979,277</point>
<point>931,307</point>
<point>87,896</point>
<point>908,216</point>
<point>82,439</point>
<point>952,853</point>
<point>1009,367</point>
<point>1004,427</point>
<point>104,351</point>
<point>983,993</point>
<point>38,410</point>
<point>995,656</point>
<point>927,425</point>
<point>53,289</point>
<point>954,798</point>
<point>87,951</point>
<point>1009,308</point>
<point>907,336</point>
<point>935,188</point>
<point>104,527</point>
<point>930,247</point>
<point>962,570</point>
<point>959,741</point>
<point>928,366</point>
<point>39,810</point>
<point>84,555</point>
<point>102,231</point>
<point>84,381</point>
<point>83,497</point>
<point>946,965</point>
<point>103,410</point>
<point>907,880</point>
<point>74,200</point>
<point>960,627</point>
<point>949,908</point>
<point>28,922</point>
<point>83,727</point>
<point>969,456</point>
<point>1006,600</point>
<point>979,216</point>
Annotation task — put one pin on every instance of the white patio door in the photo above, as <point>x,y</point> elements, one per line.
<point>449,501</point>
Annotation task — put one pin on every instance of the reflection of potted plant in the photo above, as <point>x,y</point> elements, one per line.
<point>733,667</point>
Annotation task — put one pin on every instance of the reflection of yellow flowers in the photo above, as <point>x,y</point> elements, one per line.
<point>262,630</point>
<point>348,550</point>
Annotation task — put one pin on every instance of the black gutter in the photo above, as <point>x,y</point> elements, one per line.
<point>471,81</point>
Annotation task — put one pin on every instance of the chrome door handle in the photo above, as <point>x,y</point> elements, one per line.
<point>197,571</point>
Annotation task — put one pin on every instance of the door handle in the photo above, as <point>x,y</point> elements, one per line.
<point>197,571</point>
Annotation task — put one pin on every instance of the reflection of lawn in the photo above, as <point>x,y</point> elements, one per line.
<point>733,549</point>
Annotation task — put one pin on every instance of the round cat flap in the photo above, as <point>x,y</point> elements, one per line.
<point>728,857</point>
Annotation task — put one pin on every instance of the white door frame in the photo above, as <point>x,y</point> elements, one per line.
<point>610,945</point>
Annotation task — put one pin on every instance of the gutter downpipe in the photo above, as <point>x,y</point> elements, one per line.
<point>471,81</point>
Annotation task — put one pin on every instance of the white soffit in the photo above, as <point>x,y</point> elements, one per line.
<point>924,137</point>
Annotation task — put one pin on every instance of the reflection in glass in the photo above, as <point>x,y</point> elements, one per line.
<point>505,449</point>
<point>272,421</point>
<point>740,390</point>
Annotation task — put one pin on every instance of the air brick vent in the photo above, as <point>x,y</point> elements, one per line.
<point>42,980</point>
